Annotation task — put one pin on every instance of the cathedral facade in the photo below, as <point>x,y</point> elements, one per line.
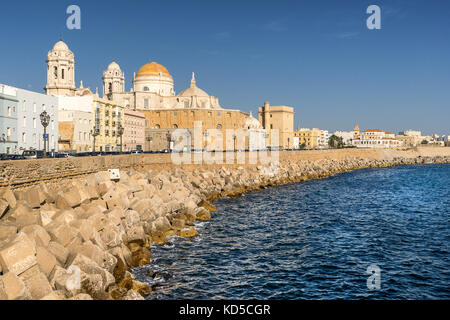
<point>153,95</point>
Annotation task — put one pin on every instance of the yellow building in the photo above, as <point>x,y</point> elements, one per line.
<point>108,117</point>
<point>308,137</point>
<point>279,118</point>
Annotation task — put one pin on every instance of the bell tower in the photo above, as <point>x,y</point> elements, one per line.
<point>60,71</point>
<point>113,81</point>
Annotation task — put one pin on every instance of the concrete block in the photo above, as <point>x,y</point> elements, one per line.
<point>19,255</point>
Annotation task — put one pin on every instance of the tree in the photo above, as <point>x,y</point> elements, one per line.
<point>302,146</point>
<point>424,141</point>
<point>335,142</point>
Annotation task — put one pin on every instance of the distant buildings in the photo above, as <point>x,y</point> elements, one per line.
<point>307,138</point>
<point>279,118</point>
<point>347,137</point>
<point>374,138</point>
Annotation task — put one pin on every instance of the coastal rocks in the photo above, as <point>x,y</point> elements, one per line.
<point>13,287</point>
<point>202,214</point>
<point>188,232</point>
<point>19,255</point>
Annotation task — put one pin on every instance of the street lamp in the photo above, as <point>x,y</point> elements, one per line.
<point>45,120</point>
<point>120,132</point>
<point>206,134</point>
<point>94,133</point>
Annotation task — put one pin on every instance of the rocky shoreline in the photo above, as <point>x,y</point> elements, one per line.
<point>78,238</point>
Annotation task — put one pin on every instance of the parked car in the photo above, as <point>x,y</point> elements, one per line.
<point>33,154</point>
<point>63,155</point>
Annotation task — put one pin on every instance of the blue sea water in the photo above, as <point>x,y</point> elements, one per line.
<point>316,239</point>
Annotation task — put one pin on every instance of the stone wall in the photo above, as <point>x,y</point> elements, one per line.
<point>22,172</point>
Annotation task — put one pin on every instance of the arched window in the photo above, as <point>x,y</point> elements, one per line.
<point>55,72</point>
<point>175,126</point>
<point>158,126</point>
<point>110,88</point>
<point>219,126</point>
<point>62,73</point>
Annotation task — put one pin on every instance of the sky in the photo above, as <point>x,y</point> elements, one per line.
<point>316,56</point>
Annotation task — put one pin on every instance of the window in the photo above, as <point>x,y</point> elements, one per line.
<point>34,107</point>
<point>34,138</point>
<point>158,126</point>
<point>34,123</point>
<point>8,133</point>
<point>24,137</point>
<point>186,104</point>
<point>146,89</point>
<point>146,103</point>
<point>55,72</point>
<point>44,107</point>
<point>175,126</point>
<point>24,121</point>
<point>219,126</point>
<point>174,113</point>
<point>9,111</point>
<point>24,106</point>
<point>219,114</point>
<point>62,73</point>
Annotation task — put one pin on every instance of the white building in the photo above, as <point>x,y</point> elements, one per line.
<point>323,138</point>
<point>30,130</point>
<point>347,136</point>
<point>374,138</point>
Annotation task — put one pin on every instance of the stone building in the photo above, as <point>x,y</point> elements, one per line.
<point>134,130</point>
<point>92,114</point>
<point>75,131</point>
<point>279,118</point>
<point>8,119</point>
<point>153,95</point>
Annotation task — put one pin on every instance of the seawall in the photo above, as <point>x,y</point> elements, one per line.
<point>67,231</point>
<point>24,172</point>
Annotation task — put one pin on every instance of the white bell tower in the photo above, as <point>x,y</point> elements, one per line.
<point>60,71</point>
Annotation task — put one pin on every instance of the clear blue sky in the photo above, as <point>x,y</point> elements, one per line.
<point>317,56</point>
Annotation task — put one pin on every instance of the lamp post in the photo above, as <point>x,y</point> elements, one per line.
<point>234,143</point>
<point>206,134</point>
<point>120,132</point>
<point>45,120</point>
<point>169,140</point>
<point>94,133</point>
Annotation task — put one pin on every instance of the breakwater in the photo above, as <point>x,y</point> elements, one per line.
<point>77,236</point>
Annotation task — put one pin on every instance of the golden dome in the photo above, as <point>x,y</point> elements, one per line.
<point>152,69</point>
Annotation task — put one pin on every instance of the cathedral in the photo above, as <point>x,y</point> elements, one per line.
<point>153,95</point>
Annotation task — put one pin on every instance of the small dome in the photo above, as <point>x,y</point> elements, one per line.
<point>61,46</point>
<point>113,66</point>
<point>252,123</point>
<point>152,69</point>
<point>193,92</point>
